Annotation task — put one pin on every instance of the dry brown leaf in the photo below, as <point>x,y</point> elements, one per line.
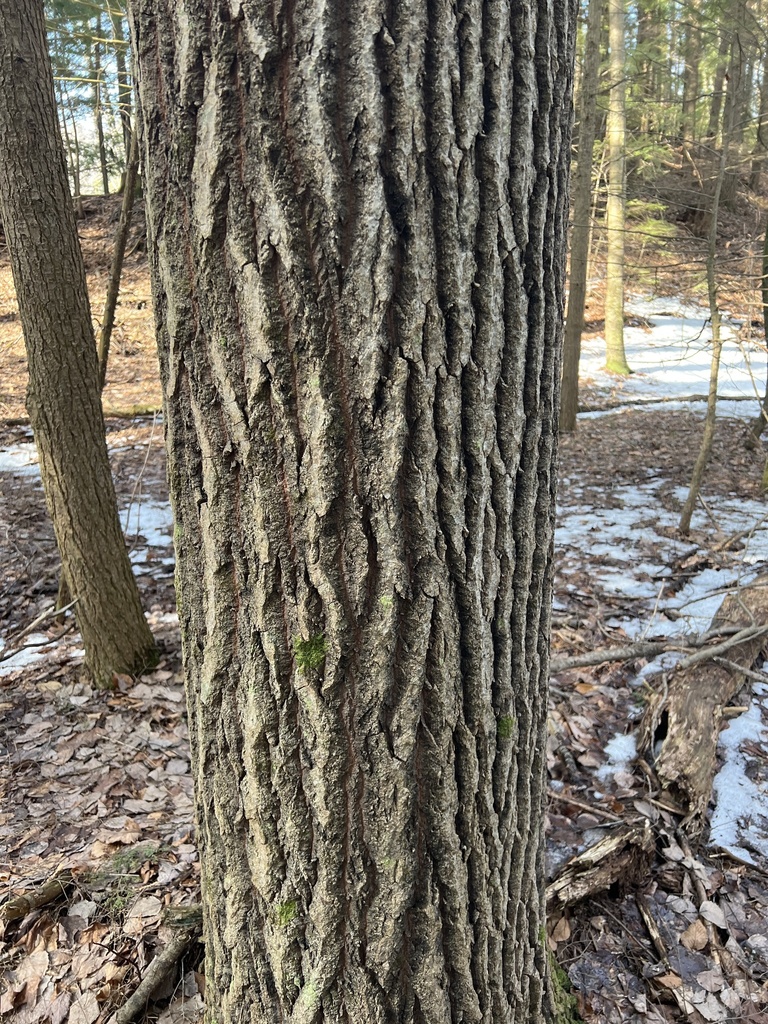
<point>670,981</point>
<point>562,930</point>
<point>590,760</point>
<point>143,910</point>
<point>695,936</point>
<point>32,970</point>
<point>712,980</point>
<point>731,1000</point>
<point>712,1009</point>
<point>84,1010</point>
<point>712,913</point>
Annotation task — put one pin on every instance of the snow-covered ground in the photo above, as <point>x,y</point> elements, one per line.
<point>672,364</point>
<point>672,360</point>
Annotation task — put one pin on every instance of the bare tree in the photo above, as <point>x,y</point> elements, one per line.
<point>615,357</point>
<point>63,397</point>
<point>581,194</point>
<point>357,219</point>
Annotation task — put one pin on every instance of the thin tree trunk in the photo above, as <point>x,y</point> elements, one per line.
<point>718,90</point>
<point>717,345</point>
<point>758,424</point>
<point>64,594</point>
<point>73,148</point>
<point>98,113</point>
<point>615,357</point>
<point>357,225</point>
<point>63,395</point>
<point>692,58</point>
<point>581,193</point>
<point>118,256</point>
<point>124,87</point>
<point>761,140</point>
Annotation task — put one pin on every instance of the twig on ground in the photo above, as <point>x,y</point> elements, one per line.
<point>161,967</point>
<point>13,647</point>
<point>629,652</point>
<point>564,798</point>
<point>20,905</point>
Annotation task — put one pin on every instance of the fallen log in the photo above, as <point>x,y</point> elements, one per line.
<point>682,721</point>
<point>18,905</point>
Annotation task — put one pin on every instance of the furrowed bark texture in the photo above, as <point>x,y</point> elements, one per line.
<point>63,397</point>
<point>357,219</point>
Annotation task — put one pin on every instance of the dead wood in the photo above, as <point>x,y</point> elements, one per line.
<point>623,855</point>
<point>19,905</point>
<point>161,968</point>
<point>684,716</point>
<point>626,652</point>
<point>565,798</point>
<point>651,648</point>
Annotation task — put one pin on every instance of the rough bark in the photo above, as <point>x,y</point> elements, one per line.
<point>615,358</point>
<point>580,232</point>
<point>63,397</point>
<point>356,216</point>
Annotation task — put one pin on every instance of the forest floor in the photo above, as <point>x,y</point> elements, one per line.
<point>95,787</point>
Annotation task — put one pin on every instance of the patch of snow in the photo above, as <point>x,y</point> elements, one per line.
<point>741,811</point>
<point>635,531</point>
<point>671,360</point>
<point>152,520</point>
<point>20,460</point>
<point>26,655</point>
<point>621,751</point>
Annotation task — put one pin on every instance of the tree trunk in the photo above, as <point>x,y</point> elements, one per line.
<point>357,220</point>
<point>118,258</point>
<point>124,88</point>
<point>761,139</point>
<point>98,112</point>
<point>708,433</point>
<point>692,56</point>
<point>63,395</point>
<point>580,233</point>
<point>758,424</point>
<point>615,357</point>
<point>718,87</point>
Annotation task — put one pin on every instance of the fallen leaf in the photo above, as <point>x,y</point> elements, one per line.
<point>712,980</point>
<point>84,1010</point>
<point>712,1009</point>
<point>712,913</point>
<point>670,981</point>
<point>731,999</point>
<point>59,1010</point>
<point>673,852</point>
<point>562,930</point>
<point>142,911</point>
<point>695,936</point>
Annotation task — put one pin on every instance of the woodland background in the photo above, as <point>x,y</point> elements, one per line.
<point>649,918</point>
